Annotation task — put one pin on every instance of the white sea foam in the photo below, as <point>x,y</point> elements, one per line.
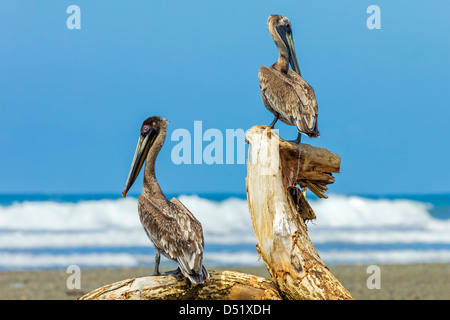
<point>334,257</point>
<point>225,222</point>
<point>29,226</point>
<point>36,261</point>
<point>112,223</point>
<point>65,216</point>
<point>99,260</point>
<point>353,211</point>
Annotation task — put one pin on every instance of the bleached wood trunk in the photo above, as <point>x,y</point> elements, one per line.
<point>222,285</point>
<point>279,210</point>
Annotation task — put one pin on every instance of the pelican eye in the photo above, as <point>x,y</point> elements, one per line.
<point>145,128</point>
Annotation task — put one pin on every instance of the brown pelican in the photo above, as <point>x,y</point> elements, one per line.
<point>172,228</point>
<point>284,92</point>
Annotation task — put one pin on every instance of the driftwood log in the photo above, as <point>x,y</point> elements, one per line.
<point>221,285</point>
<point>279,211</point>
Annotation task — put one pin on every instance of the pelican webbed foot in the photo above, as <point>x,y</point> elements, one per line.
<point>174,272</point>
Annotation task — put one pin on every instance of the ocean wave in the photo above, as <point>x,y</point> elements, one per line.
<point>11,261</point>
<point>68,216</point>
<point>116,222</point>
<point>353,211</point>
<point>226,224</point>
<point>336,257</point>
<point>28,260</point>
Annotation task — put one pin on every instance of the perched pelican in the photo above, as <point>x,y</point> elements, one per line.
<point>172,228</point>
<point>284,92</point>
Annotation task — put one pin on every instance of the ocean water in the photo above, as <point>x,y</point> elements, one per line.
<point>55,231</point>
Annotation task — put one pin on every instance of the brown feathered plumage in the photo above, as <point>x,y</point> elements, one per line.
<point>175,233</point>
<point>284,92</point>
<point>172,228</point>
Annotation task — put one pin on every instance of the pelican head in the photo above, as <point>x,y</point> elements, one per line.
<point>150,130</point>
<point>281,33</point>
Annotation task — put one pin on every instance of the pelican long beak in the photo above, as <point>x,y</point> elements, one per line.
<point>292,55</point>
<point>286,35</point>
<point>143,146</point>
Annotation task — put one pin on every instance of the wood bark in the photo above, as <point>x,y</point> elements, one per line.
<point>279,210</point>
<point>222,285</point>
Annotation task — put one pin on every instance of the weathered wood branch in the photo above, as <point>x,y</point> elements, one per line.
<point>279,210</point>
<point>222,285</point>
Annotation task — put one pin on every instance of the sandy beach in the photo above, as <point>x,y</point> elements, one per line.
<point>411,281</point>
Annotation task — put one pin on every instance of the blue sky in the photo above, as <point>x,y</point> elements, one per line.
<point>72,101</point>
